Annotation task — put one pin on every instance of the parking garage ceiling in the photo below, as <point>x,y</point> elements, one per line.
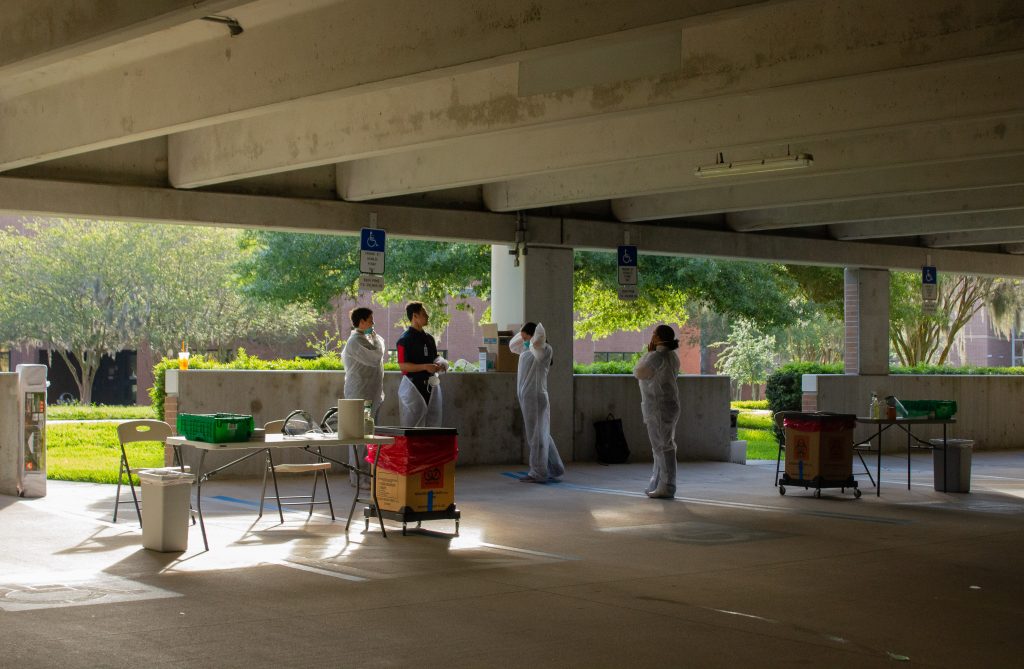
<point>869,133</point>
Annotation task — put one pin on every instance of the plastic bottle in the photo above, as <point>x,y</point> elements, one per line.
<point>874,409</point>
<point>368,418</point>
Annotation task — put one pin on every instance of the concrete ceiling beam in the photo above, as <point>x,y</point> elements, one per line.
<point>732,52</point>
<point>882,209</point>
<point>927,225</point>
<point>771,119</point>
<point>888,182</point>
<point>880,148</point>
<point>291,51</point>
<point>1008,235</point>
<point>662,240</point>
<point>36,34</point>
<point>166,205</point>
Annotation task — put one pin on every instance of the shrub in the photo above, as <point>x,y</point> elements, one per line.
<point>784,391</point>
<point>613,367</point>
<point>749,404</point>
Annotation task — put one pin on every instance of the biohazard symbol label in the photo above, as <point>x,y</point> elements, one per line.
<point>432,478</point>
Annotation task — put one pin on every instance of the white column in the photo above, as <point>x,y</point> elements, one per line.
<point>507,287</point>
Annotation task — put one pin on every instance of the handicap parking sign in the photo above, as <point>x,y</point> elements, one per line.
<point>627,267</point>
<point>371,250</point>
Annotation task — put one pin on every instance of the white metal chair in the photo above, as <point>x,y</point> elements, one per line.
<point>129,432</point>
<point>319,468</point>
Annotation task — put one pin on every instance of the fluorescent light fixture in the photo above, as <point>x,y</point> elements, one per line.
<point>723,169</point>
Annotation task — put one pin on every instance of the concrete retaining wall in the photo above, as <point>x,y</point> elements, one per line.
<point>483,407</point>
<point>703,431</point>
<point>988,407</point>
<point>10,441</point>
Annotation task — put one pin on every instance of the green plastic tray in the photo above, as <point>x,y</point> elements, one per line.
<point>941,409</point>
<point>215,428</point>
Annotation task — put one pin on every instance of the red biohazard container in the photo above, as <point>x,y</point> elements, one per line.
<point>417,472</point>
<point>819,446</point>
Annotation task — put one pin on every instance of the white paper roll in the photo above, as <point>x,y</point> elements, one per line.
<point>350,419</point>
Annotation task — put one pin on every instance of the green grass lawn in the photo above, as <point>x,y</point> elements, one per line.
<point>76,412</point>
<point>756,429</point>
<point>90,452</point>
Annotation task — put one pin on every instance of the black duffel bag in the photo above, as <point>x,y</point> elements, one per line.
<point>611,445</point>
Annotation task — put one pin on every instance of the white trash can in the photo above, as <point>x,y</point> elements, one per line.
<point>954,466</point>
<point>165,507</point>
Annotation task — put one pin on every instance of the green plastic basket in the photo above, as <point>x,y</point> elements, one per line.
<point>215,428</point>
<point>941,409</point>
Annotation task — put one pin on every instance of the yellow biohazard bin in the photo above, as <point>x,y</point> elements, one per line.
<point>819,452</point>
<point>414,478</point>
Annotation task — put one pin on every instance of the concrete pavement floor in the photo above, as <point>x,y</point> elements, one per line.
<point>586,572</point>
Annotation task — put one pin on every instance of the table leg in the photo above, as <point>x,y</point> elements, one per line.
<point>908,457</point>
<point>199,497</point>
<point>373,491</point>
<point>878,471</point>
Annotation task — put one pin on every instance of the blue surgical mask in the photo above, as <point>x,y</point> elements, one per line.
<point>526,343</point>
<point>368,331</point>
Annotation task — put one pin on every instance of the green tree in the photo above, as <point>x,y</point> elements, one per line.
<point>86,289</point>
<point>291,268</point>
<point>747,356</point>
<point>673,288</point>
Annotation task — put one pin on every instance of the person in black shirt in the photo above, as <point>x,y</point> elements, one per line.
<point>419,395</point>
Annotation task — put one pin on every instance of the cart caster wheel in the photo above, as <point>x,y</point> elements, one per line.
<point>366,525</point>
<point>782,490</point>
<point>856,493</point>
<point>817,493</point>
<point>403,529</point>
<point>456,528</point>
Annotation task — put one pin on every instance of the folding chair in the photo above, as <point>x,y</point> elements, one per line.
<point>318,468</point>
<point>129,432</point>
<point>780,436</point>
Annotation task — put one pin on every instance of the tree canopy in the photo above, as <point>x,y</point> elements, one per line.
<point>85,289</point>
<point>672,287</point>
<point>291,268</point>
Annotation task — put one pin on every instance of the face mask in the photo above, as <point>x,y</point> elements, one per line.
<point>368,331</point>
<point>526,343</point>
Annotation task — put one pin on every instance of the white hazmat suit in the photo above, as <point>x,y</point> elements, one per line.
<point>413,410</point>
<point>532,389</point>
<point>364,376</point>
<point>657,371</point>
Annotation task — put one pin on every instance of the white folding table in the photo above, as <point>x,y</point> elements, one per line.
<point>307,442</point>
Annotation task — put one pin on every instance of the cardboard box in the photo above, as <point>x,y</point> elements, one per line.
<point>432,489</point>
<point>496,341</point>
<point>825,452</point>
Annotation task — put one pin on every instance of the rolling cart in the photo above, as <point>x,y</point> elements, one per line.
<point>819,452</point>
<point>407,515</point>
<point>413,480</point>
<point>818,484</point>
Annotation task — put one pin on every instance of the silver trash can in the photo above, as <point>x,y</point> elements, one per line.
<point>952,465</point>
<point>165,507</point>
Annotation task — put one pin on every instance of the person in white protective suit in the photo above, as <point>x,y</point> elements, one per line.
<point>419,394</point>
<point>535,354</point>
<point>363,356</point>
<point>657,371</point>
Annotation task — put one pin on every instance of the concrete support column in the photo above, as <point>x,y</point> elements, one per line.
<point>866,299</point>
<point>540,290</point>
